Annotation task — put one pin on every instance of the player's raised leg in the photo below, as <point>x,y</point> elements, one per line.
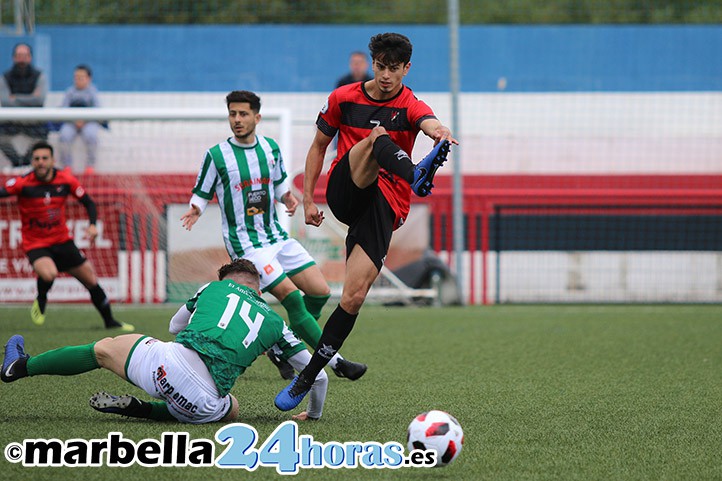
<point>425,170</point>
<point>420,176</point>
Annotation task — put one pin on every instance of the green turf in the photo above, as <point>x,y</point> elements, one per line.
<point>543,392</point>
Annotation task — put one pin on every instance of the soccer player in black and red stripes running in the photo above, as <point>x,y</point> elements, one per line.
<point>370,181</point>
<point>47,242</point>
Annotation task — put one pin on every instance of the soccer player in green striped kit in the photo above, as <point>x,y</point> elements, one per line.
<point>219,333</point>
<point>247,176</point>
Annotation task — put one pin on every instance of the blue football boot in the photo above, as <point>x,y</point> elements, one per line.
<point>15,361</point>
<point>426,169</point>
<point>292,395</point>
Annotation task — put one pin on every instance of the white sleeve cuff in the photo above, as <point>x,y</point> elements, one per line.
<point>199,202</point>
<point>180,320</point>
<point>281,189</point>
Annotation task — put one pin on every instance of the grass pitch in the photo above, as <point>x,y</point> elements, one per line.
<point>542,392</point>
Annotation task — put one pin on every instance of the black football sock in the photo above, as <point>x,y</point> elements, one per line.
<point>102,304</point>
<point>393,159</point>
<point>337,329</point>
<point>155,410</point>
<point>43,288</point>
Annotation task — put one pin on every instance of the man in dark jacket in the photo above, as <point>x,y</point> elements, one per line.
<point>22,86</point>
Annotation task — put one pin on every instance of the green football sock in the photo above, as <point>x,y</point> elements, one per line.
<point>314,304</point>
<point>301,322</point>
<point>64,361</point>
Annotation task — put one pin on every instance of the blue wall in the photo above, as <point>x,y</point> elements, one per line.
<point>281,58</point>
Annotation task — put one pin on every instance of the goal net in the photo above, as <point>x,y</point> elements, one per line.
<point>148,159</point>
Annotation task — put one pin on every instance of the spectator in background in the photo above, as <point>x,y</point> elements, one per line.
<point>358,66</point>
<point>81,94</point>
<point>22,86</point>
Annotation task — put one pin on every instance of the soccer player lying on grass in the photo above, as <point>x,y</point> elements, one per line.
<point>193,375</point>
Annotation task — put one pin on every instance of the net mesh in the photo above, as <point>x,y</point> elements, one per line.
<point>590,135</point>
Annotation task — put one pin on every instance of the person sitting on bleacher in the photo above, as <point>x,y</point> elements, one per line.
<point>81,94</point>
<point>22,86</point>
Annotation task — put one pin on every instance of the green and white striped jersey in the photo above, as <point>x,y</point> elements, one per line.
<point>246,180</point>
<point>230,326</point>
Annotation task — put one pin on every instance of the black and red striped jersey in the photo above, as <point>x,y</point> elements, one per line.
<point>352,113</point>
<point>42,207</point>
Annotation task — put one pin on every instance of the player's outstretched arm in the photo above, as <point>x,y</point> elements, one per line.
<point>313,215</point>
<point>314,164</point>
<point>91,232</point>
<point>437,131</point>
<point>291,202</point>
<point>190,217</point>
<point>92,210</point>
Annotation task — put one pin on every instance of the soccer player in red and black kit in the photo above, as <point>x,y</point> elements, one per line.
<point>42,194</point>
<point>370,182</point>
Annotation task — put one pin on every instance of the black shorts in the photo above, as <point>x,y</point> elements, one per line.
<point>366,212</point>
<point>65,255</point>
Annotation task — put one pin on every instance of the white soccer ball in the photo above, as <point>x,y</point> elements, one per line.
<point>439,431</point>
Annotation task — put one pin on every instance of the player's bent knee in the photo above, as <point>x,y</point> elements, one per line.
<point>283,289</point>
<point>103,350</point>
<point>48,275</point>
<point>352,302</point>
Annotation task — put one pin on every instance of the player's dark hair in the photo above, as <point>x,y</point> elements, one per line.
<point>82,66</point>
<point>238,266</point>
<point>244,96</point>
<point>390,48</point>
<point>42,145</point>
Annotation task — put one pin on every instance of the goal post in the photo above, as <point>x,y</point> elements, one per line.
<point>148,159</point>
<point>130,131</point>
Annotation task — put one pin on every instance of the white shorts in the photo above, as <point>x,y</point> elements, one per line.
<point>277,261</point>
<point>177,375</point>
